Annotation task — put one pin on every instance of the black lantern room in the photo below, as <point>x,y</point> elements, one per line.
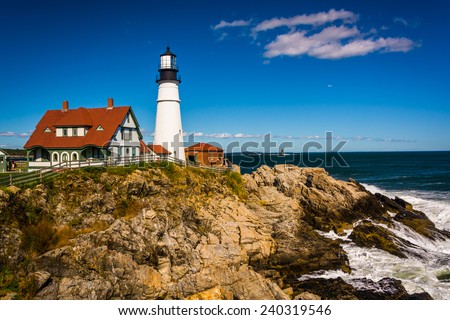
<point>168,68</point>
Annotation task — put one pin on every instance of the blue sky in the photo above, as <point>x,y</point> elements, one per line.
<point>375,73</point>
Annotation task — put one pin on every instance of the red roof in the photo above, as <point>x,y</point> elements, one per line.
<point>77,117</point>
<point>108,119</point>
<point>159,149</point>
<point>203,147</point>
<point>143,147</point>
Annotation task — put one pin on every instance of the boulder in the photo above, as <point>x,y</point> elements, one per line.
<point>362,289</point>
<point>11,253</point>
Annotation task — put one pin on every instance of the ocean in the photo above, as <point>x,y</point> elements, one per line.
<point>421,178</point>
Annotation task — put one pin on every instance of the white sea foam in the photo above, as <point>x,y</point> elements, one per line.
<point>426,260</point>
<point>436,205</point>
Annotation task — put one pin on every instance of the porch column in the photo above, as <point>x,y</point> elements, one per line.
<point>3,159</point>
<point>104,153</point>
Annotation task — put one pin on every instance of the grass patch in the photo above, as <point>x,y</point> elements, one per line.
<point>98,225</point>
<point>9,282</point>
<point>203,173</point>
<point>234,181</point>
<point>76,222</point>
<point>20,210</point>
<point>28,288</point>
<point>63,236</point>
<point>128,208</point>
<point>39,238</point>
<point>121,171</point>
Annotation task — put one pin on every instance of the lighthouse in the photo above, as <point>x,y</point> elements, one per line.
<point>168,129</point>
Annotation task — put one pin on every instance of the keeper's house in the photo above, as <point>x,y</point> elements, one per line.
<point>84,135</point>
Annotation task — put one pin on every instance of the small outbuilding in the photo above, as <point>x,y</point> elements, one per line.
<point>204,154</point>
<point>159,151</point>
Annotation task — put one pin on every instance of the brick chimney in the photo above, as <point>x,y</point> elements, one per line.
<point>65,106</point>
<point>110,103</point>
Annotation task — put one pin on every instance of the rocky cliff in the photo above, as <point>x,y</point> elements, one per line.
<point>184,233</point>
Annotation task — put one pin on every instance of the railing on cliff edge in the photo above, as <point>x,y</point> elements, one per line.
<point>40,175</point>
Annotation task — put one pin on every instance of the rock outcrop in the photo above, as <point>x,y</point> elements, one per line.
<point>359,289</point>
<point>183,233</point>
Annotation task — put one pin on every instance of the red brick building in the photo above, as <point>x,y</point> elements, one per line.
<point>204,154</point>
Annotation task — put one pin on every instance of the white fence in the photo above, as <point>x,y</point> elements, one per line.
<point>46,170</point>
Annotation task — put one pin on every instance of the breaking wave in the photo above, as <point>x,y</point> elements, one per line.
<point>427,262</point>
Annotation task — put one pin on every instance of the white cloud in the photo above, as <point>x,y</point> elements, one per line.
<point>147,133</point>
<point>224,135</point>
<point>334,36</point>
<point>11,134</point>
<point>314,19</point>
<point>235,23</point>
<point>227,135</point>
<point>334,43</point>
<point>222,36</point>
<point>396,44</point>
<point>401,21</point>
<point>336,33</point>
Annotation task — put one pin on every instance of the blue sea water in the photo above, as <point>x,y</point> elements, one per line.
<point>421,178</point>
<point>426,171</point>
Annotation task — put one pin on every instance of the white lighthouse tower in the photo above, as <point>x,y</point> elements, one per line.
<point>168,129</point>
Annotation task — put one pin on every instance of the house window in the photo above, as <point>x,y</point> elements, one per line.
<point>64,132</point>
<point>126,134</point>
<point>128,118</point>
<point>47,130</point>
<point>127,150</point>
<point>55,157</point>
<point>99,128</point>
<point>74,156</point>
<point>65,157</point>
<point>75,132</point>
